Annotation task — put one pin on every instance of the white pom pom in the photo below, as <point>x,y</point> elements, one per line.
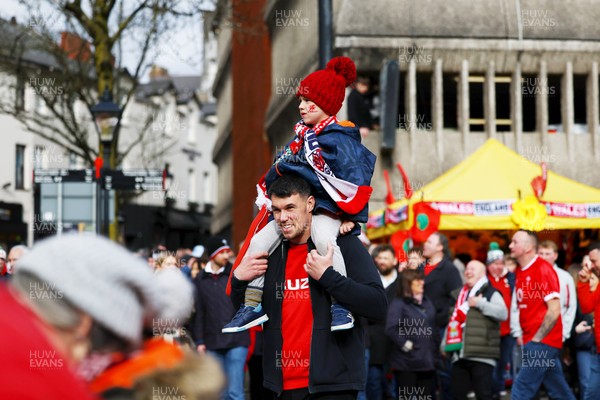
<point>261,199</point>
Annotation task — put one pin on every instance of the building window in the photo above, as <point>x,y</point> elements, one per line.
<point>20,93</point>
<point>450,85</point>
<point>554,110</point>
<point>424,119</point>
<point>530,92</point>
<point>579,103</point>
<point>20,167</point>
<point>502,89</point>
<point>476,114</point>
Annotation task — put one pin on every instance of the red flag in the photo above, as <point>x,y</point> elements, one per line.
<point>539,182</point>
<point>389,198</point>
<point>426,221</point>
<point>401,242</point>
<point>408,192</point>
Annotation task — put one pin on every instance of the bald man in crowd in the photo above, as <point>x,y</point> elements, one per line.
<point>472,340</point>
<point>538,325</point>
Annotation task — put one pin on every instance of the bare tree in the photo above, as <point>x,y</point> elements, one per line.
<point>68,78</point>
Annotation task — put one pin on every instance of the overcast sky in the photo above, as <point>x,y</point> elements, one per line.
<point>180,51</point>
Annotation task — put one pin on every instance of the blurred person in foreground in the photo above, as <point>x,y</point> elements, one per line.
<point>70,296</point>
<point>166,366</point>
<point>472,340</point>
<point>410,325</point>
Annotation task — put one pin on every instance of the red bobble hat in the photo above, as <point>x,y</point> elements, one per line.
<point>326,87</point>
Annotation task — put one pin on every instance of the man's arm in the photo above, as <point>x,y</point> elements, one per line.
<point>251,267</point>
<point>549,321</point>
<point>515,323</point>
<point>361,291</point>
<point>495,308</point>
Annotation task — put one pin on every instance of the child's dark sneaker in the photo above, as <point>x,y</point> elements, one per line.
<point>246,317</point>
<point>341,318</point>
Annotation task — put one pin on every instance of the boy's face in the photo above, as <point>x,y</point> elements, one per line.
<point>310,112</point>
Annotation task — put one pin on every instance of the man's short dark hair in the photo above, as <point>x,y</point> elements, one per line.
<point>532,236</point>
<point>594,246</point>
<point>383,247</point>
<point>288,185</point>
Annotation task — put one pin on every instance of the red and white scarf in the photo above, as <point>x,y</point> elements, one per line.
<point>454,331</point>
<point>349,197</point>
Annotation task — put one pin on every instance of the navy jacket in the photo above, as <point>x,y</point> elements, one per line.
<point>439,285</point>
<point>337,358</point>
<point>213,311</point>
<point>381,345</point>
<point>348,159</point>
<point>408,320</point>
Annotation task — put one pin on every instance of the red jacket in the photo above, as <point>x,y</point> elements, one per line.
<point>590,302</point>
<point>31,368</point>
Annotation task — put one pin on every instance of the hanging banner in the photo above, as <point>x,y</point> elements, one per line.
<point>394,216</point>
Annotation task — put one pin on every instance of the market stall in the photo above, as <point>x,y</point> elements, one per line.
<point>493,189</point>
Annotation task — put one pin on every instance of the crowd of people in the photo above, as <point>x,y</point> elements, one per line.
<point>122,327</point>
<point>306,308</point>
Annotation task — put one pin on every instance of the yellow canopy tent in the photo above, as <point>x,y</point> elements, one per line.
<point>482,192</point>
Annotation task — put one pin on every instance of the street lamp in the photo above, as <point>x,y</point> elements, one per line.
<point>106,117</point>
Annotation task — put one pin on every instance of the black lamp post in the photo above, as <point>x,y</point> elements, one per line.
<point>106,117</point>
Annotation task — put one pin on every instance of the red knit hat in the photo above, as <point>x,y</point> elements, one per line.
<point>326,87</point>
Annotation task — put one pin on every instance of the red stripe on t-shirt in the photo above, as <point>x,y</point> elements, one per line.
<point>296,321</point>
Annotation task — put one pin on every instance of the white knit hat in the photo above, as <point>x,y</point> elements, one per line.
<point>176,297</point>
<point>99,277</point>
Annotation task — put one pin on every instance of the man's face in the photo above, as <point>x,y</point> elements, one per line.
<point>310,112</point>
<point>432,246</point>
<point>386,262</point>
<point>548,254</point>
<point>293,216</point>
<point>474,271</point>
<point>221,258</point>
<point>496,267</point>
<point>595,259</point>
<point>13,256</point>
<point>520,245</point>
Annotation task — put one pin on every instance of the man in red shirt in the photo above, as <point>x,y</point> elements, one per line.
<point>590,302</point>
<point>302,357</point>
<point>537,297</point>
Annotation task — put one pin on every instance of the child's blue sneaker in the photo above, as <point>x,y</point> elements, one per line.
<point>341,318</point>
<point>246,317</point>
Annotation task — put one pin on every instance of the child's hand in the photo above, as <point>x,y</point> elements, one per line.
<point>346,227</point>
